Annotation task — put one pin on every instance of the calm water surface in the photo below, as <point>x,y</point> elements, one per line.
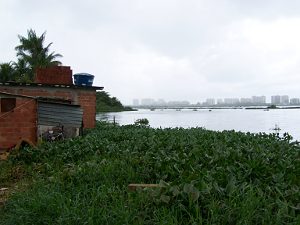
<point>217,119</point>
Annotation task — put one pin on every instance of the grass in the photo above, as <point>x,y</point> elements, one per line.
<point>205,177</point>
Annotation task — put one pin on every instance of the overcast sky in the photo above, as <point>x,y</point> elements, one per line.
<point>171,49</point>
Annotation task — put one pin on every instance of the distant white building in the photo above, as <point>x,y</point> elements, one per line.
<point>259,99</point>
<point>231,101</point>
<point>220,101</point>
<point>246,100</point>
<point>275,99</point>
<point>135,102</point>
<point>178,103</point>
<point>284,99</point>
<point>210,101</point>
<point>294,101</point>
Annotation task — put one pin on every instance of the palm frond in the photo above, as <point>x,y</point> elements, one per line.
<point>34,53</point>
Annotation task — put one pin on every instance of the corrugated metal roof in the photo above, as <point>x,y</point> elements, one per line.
<point>53,114</point>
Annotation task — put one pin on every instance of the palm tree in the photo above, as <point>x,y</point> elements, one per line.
<point>32,51</point>
<point>7,72</point>
<point>22,71</point>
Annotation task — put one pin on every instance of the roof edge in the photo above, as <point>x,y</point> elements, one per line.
<point>17,95</point>
<point>50,85</point>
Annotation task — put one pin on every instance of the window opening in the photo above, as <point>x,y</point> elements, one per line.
<point>7,104</point>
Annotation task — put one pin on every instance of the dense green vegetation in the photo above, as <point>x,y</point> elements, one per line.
<point>205,177</point>
<point>32,53</point>
<point>105,103</point>
<point>272,107</point>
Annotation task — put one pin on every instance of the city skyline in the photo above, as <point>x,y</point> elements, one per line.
<point>255,100</point>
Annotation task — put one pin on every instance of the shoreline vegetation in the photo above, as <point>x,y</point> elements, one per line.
<point>105,103</point>
<point>199,177</point>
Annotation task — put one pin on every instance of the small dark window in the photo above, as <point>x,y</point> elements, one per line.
<point>7,104</point>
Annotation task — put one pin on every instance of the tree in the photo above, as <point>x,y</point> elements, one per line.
<point>22,71</point>
<point>105,103</point>
<point>7,72</point>
<point>32,53</point>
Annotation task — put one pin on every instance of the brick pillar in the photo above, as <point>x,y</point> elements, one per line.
<point>54,75</point>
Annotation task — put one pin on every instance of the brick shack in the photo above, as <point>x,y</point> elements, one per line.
<point>27,110</point>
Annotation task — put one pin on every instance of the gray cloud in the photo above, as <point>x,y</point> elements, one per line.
<point>168,49</point>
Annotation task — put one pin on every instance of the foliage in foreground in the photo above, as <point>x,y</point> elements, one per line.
<point>206,177</point>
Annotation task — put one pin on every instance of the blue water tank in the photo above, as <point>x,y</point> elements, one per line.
<point>83,79</point>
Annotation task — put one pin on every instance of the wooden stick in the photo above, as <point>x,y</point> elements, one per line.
<point>3,189</point>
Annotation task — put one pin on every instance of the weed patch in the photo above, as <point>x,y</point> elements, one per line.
<point>204,177</point>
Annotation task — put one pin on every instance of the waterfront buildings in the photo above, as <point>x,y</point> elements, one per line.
<point>284,99</point>
<point>220,101</point>
<point>178,103</point>
<point>231,101</point>
<point>294,101</point>
<point>275,99</point>
<point>161,102</point>
<point>210,101</point>
<point>258,99</point>
<point>246,100</point>
<point>280,100</point>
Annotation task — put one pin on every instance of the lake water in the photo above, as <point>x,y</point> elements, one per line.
<point>217,119</point>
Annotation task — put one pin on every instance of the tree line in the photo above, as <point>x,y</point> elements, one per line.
<point>32,53</point>
<point>106,103</point>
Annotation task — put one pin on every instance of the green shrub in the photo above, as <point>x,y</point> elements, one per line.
<point>142,122</point>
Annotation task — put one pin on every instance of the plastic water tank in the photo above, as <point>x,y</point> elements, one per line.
<point>83,79</point>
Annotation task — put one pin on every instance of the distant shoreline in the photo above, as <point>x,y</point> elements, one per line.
<point>268,108</point>
<point>228,107</point>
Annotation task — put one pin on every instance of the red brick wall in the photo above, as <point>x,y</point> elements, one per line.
<point>85,98</point>
<point>54,75</point>
<point>18,124</point>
